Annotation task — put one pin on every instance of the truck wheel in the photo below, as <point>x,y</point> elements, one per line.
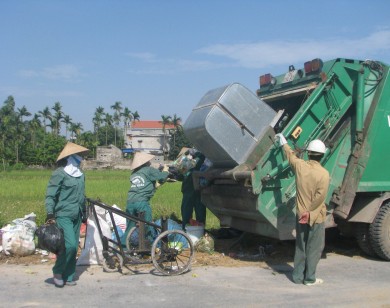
<point>380,232</point>
<point>362,235</point>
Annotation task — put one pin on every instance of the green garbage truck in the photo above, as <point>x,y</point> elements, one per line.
<point>250,187</point>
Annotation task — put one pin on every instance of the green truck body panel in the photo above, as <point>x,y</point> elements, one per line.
<point>346,104</point>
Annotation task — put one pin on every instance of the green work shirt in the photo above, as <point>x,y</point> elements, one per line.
<point>312,183</point>
<point>188,182</point>
<point>143,183</point>
<point>65,195</point>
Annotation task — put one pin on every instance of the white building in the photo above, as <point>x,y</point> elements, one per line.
<point>149,137</point>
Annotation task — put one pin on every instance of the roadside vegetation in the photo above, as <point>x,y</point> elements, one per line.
<point>23,192</point>
<point>28,139</point>
<point>30,144</point>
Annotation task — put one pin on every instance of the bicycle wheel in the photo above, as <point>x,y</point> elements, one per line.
<point>132,245</point>
<point>172,252</point>
<point>112,262</point>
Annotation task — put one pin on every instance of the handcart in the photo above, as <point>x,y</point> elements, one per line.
<point>171,251</point>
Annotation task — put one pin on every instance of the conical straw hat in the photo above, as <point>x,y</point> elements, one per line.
<point>71,148</point>
<point>139,159</point>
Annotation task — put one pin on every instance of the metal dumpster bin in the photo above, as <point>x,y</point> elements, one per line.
<point>227,124</point>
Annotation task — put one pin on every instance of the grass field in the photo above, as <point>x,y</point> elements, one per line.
<point>23,192</point>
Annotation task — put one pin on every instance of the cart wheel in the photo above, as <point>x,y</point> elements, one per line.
<point>172,252</point>
<point>132,245</point>
<point>112,263</point>
<point>132,239</point>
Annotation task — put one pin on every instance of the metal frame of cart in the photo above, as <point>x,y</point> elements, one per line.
<point>171,251</point>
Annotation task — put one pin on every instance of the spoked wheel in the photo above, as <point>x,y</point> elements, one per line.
<point>172,252</point>
<point>132,243</point>
<point>134,252</point>
<point>112,262</point>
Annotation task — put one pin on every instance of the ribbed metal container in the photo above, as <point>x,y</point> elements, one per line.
<point>227,124</point>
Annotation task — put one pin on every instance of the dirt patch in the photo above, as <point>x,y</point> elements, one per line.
<point>231,251</point>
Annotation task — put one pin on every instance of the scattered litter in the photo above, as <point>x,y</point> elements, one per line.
<point>205,244</point>
<point>30,271</point>
<point>41,252</point>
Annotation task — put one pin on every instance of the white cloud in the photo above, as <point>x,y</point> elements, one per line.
<point>163,66</point>
<point>277,52</point>
<point>58,72</point>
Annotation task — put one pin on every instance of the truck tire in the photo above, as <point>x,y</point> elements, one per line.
<point>363,239</point>
<point>380,232</point>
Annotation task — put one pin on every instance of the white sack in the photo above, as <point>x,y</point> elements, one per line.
<point>18,237</point>
<point>119,220</point>
<point>92,252</point>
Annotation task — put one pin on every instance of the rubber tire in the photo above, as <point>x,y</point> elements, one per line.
<point>363,238</point>
<point>128,237</point>
<point>118,264</point>
<point>380,232</point>
<point>156,257</point>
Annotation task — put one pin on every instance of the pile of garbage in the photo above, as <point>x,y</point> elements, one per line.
<point>17,238</point>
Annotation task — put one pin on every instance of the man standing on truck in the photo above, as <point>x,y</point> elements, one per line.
<point>312,183</point>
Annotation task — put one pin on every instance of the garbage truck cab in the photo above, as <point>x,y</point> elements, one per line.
<point>343,102</point>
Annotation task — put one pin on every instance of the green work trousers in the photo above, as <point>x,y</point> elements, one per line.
<point>309,244</point>
<point>66,261</point>
<point>134,209</point>
<point>191,202</point>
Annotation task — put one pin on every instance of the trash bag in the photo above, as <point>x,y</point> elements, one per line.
<point>51,238</point>
<point>205,244</point>
<point>184,163</point>
<point>18,237</point>
<point>92,253</point>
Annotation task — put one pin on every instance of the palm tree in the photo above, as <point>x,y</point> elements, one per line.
<point>176,122</point>
<point>108,122</point>
<point>117,116</point>
<point>20,128</point>
<point>165,121</point>
<point>97,121</point>
<point>46,115</point>
<point>136,116</point>
<point>23,112</point>
<point>68,122</point>
<point>75,129</point>
<point>58,115</point>
<point>127,118</point>
<point>35,124</point>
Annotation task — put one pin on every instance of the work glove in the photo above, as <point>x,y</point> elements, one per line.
<point>50,218</point>
<point>281,139</point>
<point>165,168</point>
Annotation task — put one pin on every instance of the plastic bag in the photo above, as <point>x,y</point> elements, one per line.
<point>205,244</point>
<point>51,238</point>
<point>92,252</point>
<point>18,237</point>
<point>184,163</point>
<point>120,221</point>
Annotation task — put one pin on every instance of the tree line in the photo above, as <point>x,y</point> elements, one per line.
<point>27,139</point>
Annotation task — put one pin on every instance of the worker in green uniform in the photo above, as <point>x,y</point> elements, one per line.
<point>191,201</point>
<point>144,180</point>
<point>312,183</point>
<point>65,206</point>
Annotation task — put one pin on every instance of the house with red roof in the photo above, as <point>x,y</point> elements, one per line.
<point>149,137</point>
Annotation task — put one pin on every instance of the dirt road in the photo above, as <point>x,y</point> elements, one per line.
<point>349,281</point>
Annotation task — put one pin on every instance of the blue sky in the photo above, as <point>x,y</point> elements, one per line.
<point>161,57</point>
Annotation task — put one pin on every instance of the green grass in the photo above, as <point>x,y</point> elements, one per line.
<point>23,192</point>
